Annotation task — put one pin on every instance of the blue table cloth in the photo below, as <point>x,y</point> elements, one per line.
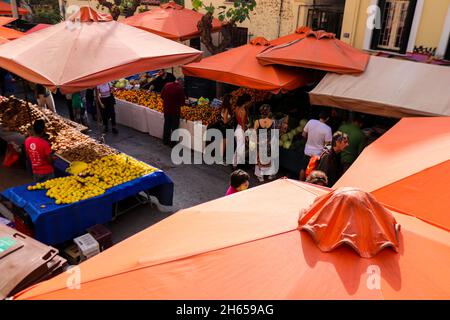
<point>55,224</point>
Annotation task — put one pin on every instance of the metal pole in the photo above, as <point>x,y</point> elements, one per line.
<point>15,10</point>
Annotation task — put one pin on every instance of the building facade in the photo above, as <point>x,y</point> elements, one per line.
<point>393,26</point>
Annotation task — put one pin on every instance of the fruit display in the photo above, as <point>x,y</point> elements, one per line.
<point>202,112</point>
<point>95,179</point>
<point>72,145</point>
<point>64,135</point>
<point>287,139</point>
<point>256,95</point>
<point>150,100</point>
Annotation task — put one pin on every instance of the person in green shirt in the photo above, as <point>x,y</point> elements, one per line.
<point>357,141</point>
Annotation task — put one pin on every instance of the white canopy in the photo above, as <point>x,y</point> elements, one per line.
<point>389,87</point>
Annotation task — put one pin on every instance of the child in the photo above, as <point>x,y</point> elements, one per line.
<point>239,181</point>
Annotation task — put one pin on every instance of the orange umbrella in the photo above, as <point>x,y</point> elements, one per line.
<point>247,246</point>
<point>76,55</point>
<point>170,21</point>
<point>3,40</point>
<point>9,33</point>
<point>6,9</point>
<point>408,171</point>
<point>300,33</point>
<point>38,27</point>
<point>6,20</point>
<point>318,50</point>
<point>239,66</point>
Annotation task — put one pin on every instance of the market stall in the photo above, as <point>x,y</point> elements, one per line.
<point>94,177</point>
<point>388,87</point>
<point>142,110</point>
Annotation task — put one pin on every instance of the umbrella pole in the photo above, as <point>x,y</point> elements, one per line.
<point>100,135</point>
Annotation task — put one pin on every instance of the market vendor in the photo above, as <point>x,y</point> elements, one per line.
<point>161,80</point>
<point>39,152</point>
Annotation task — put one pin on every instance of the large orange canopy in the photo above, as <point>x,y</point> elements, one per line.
<point>249,246</point>
<point>38,27</point>
<point>6,9</point>
<point>318,50</point>
<point>10,34</point>
<point>238,66</point>
<point>73,56</point>
<point>408,168</point>
<point>298,34</point>
<point>170,21</point>
<point>6,20</point>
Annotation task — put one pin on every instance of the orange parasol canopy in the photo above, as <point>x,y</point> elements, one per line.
<point>82,53</point>
<point>170,21</point>
<point>38,27</point>
<point>299,33</point>
<point>6,20</point>
<point>6,9</point>
<point>247,246</point>
<point>318,50</point>
<point>408,168</point>
<point>10,34</point>
<point>3,40</point>
<point>238,66</point>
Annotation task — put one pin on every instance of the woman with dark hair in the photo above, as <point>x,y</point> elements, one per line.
<point>241,114</point>
<point>263,127</point>
<point>226,121</point>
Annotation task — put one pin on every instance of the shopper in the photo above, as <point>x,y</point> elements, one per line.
<point>106,101</point>
<point>161,80</point>
<point>356,144</point>
<point>263,127</point>
<point>174,98</point>
<point>244,103</point>
<point>318,134</point>
<point>226,122</point>
<point>78,102</point>
<point>90,103</point>
<point>39,153</point>
<point>45,98</point>
<point>239,181</point>
<point>330,160</point>
<point>318,177</point>
<point>69,106</point>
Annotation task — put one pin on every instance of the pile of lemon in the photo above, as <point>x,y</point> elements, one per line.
<point>100,175</point>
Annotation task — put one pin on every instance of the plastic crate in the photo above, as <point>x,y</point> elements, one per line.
<point>72,254</point>
<point>88,246</point>
<point>103,236</point>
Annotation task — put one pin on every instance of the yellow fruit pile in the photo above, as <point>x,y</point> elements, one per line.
<point>100,175</point>
<point>203,113</point>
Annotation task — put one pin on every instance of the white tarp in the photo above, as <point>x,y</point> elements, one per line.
<point>389,87</point>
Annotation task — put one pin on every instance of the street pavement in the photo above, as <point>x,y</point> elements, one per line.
<point>194,184</point>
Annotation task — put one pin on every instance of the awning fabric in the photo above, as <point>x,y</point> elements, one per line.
<point>389,87</point>
<point>408,168</point>
<point>239,66</point>
<point>170,21</point>
<point>317,50</point>
<point>248,246</point>
<point>38,27</point>
<point>10,34</point>
<point>82,53</point>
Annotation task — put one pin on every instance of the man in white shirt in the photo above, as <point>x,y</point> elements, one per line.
<point>318,135</point>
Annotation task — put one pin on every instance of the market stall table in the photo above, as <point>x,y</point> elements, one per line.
<point>131,115</point>
<point>54,224</point>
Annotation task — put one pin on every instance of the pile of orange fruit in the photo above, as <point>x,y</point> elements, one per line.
<point>256,95</point>
<point>150,100</point>
<point>204,113</point>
